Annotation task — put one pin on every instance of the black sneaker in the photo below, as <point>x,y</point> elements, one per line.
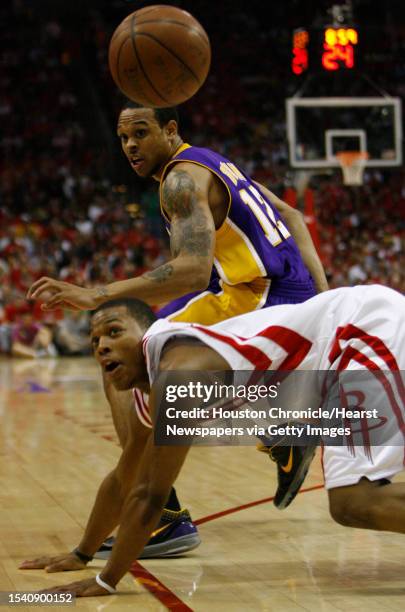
<point>292,467</point>
<point>175,535</point>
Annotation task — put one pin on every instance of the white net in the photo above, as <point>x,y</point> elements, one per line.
<point>352,164</point>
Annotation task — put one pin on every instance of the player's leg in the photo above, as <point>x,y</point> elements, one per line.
<point>176,532</point>
<point>358,474</point>
<point>293,462</point>
<point>378,505</point>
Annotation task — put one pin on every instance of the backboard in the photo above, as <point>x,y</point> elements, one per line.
<point>318,128</point>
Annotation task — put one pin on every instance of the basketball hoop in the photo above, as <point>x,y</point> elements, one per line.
<point>352,164</point>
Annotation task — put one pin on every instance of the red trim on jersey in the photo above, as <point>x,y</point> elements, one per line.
<point>145,351</point>
<point>257,358</point>
<point>144,343</point>
<point>141,407</point>
<point>348,354</point>
<point>293,343</point>
<point>145,409</point>
<point>352,353</point>
<point>350,332</point>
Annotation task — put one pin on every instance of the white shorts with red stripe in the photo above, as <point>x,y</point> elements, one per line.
<point>342,469</point>
<point>360,456</point>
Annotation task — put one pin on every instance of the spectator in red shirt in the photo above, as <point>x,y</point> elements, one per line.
<point>31,339</point>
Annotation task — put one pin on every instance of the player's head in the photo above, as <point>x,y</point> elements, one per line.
<point>117,329</point>
<point>149,136</point>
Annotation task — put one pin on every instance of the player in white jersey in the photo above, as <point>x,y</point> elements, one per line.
<point>360,329</point>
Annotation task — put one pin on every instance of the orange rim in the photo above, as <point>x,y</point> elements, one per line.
<point>348,158</point>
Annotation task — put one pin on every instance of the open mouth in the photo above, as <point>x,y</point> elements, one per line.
<point>136,161</point>
<point>111,366</point>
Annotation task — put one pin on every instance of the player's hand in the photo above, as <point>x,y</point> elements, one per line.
<point>59,294</point>
<point>62,563</point>
<point>81,588</point>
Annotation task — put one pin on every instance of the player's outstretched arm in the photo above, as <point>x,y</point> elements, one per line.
<point>143,507</point>
<point>109,501</point>
<point>192,241</point>
<point>299,231</point>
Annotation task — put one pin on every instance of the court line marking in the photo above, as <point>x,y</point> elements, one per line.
<point>216,515</point>
<point>158,589</point>
<point>162,592</point>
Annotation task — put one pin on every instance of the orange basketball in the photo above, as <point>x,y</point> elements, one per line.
<point>159,56</point>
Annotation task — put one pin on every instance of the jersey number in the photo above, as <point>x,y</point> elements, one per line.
<point>275,230</point>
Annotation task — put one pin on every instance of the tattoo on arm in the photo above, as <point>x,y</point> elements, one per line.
<point>190,231</point>
<point>160,275</point>
<point>179,193</point>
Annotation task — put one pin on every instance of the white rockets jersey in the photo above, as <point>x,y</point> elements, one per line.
<point>313,335</point>
<point>358,328</point>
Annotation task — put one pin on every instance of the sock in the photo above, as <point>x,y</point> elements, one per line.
<point>173,502</point>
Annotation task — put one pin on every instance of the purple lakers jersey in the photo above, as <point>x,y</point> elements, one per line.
<point>253,242</point>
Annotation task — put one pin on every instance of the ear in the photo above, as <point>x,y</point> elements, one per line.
<point>171,128</point>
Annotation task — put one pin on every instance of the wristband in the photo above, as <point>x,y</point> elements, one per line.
<point>105,586</point>
<point>82,556</point>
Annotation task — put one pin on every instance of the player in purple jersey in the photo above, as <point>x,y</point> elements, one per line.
<point>235,248</point>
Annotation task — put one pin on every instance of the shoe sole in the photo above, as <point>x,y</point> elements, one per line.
<point>174,547</point>
<point>178,546</point>
<point>298,478</point>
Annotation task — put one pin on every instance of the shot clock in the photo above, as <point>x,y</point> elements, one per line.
<point>329,49</point>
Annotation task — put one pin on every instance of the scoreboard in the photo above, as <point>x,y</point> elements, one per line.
<point>329,49</point>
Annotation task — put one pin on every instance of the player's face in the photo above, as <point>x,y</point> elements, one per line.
<point>147,146</point>
<point>116,339</point>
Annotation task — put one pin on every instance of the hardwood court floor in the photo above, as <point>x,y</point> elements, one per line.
<point>56,444</point>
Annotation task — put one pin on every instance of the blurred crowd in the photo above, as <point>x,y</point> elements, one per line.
<point>68,207</point>
<point>362,232</point>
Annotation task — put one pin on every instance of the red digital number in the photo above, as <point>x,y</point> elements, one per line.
<point>300,60</point>
<point>333,55</point>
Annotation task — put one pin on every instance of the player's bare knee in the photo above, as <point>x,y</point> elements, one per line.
<point>342,513</point>
<point>352,510</point>
<point>337,508</point>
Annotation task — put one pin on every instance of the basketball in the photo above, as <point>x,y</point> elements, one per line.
<point>159,56</point>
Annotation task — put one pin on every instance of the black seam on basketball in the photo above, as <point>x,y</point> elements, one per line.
<point>171,52</point>
<point>142,68</point>
<point>117,65</point>
<point>201,33</point>
<point>150,9</point>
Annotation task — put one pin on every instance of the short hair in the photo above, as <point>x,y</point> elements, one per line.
<point>138,310</point>
<point>162,115</point>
